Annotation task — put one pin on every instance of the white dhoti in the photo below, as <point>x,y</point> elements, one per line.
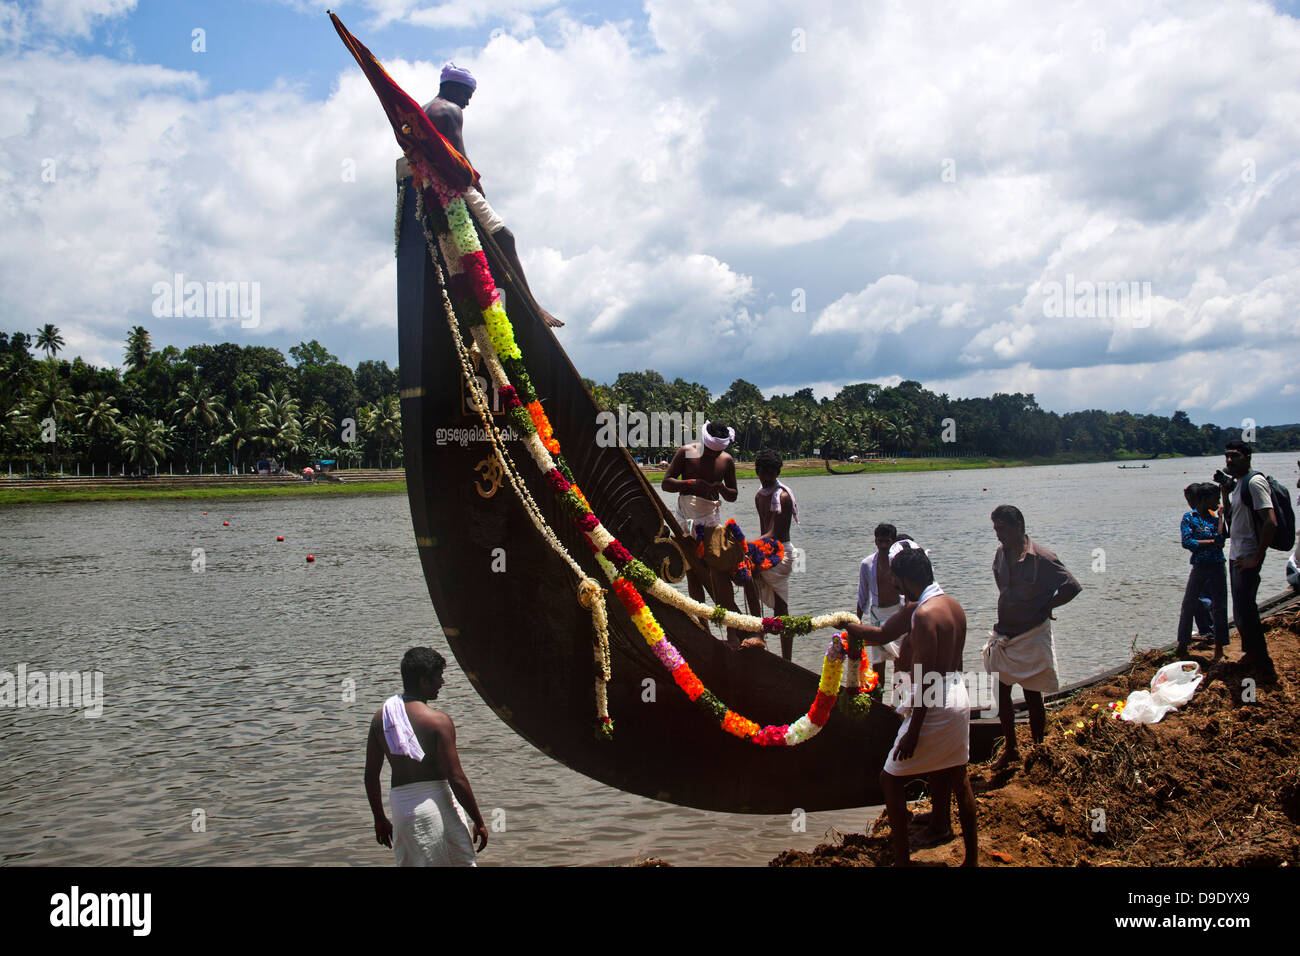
<point>1028,659</point>
<point>945,733</point>
<point>694,510</point>
<point>775,581</point>
<point>429,826</point>
<point>485,214</point>
<point>879,653</point>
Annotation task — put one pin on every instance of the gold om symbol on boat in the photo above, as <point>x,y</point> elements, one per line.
<point>491,475</point>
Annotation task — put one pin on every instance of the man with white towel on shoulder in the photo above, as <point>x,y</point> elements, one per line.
<point>430,792</point>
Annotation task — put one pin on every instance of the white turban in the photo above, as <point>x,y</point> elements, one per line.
<point>901,545</point>
<point>716,444</point>
<point>451,73</point>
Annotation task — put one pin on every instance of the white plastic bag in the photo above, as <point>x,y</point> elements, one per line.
<point>1171,687</point>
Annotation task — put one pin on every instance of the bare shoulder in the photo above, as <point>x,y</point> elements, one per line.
<point>441,107</point>
<point>432,719</point>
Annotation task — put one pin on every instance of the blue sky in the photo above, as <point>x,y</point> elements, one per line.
<point>922,178</point>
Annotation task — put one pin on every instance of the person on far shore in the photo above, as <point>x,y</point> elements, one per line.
<point>1248,520</point>
<point>1203,537</point>
<point>1032,582</point>
<point>429,791</point>
<point>776,506</point>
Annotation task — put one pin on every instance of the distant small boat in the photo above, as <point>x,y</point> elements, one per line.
<point>1132,467</point>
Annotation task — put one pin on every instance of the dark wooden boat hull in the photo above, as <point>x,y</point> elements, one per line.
<point>519,634</point>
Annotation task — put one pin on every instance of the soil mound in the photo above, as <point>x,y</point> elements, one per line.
<point>1216,783</point>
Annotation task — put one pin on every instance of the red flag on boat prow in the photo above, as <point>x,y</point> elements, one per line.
<point>415,133</point>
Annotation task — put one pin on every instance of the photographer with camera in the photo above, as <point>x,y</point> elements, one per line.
<point>1248,520</point>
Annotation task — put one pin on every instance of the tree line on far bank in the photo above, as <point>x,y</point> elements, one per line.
<point>908,420</point>
<point>206,408</point>
<point>220,407</point>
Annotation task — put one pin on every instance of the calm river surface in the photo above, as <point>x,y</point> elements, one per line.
<point>223,689</point>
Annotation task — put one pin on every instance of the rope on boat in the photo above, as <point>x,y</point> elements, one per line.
<point>590,594</point>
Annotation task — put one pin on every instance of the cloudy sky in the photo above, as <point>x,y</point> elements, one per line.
<point>794,193</point>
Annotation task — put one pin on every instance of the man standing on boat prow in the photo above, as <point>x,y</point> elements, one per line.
<point>700,474</point>
<point>428,788</point>
<point>930,694</point>
<point>446,112</point>
<point>1032,582</point>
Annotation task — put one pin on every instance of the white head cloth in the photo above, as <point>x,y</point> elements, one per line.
<point>398,732</point>
<point>907,544</point>
<point>451,73</point>
<point>716,444</point>
<point>901,545</point>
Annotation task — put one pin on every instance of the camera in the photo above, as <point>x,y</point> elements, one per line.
<point>1225,481</point>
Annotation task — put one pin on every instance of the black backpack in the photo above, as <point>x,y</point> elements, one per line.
<point>1284,537</point>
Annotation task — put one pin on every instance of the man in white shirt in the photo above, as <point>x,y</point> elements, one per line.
<point>879,597</point>
<point>1250,528</point>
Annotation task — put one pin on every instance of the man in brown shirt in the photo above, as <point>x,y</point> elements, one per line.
<point>1031,582</point>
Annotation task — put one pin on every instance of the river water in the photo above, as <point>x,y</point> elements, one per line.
<point>226,737</point>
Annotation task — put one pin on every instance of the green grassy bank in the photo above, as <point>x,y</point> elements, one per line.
<point>803,468</point>
<point>14,496</point>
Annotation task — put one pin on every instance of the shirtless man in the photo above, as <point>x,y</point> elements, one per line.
<point>429,826</point>
<point>934,739</point>
<point>700,474</point>
<point>446,112</point>
<point>776,506</point>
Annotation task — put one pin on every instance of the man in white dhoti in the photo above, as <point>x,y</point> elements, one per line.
<point>934,739</point>
<point>703,475</point>
<point>879,596</point>
<point>1031,582</point>
<point>430,792</point>
<point>776,507</point>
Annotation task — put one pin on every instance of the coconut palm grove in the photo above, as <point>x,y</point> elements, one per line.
<point>222,408</point>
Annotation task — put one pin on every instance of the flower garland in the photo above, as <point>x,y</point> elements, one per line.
<point>759,555</point>
<point>590,595</point>
<point>860,678</point>
<point>495,339</point>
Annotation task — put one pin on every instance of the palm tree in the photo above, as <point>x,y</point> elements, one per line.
<point>138,348</point>
<point>386,422</point>
<point>144,441</point>
<point>198,408</point>
<point>98,416</point>
<point>49,339</point>
<point>278,416</point>
<point>50,401</point>
<point>14,421</point>
<point>367,415</point>
<point>244,428</point>
<point>50,398</point>
<point>318,419</point>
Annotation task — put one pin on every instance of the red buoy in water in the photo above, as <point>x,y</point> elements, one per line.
<point>279,537</point>
<point>225,524</point>
<point>206,512</point>
<point>311,558</point>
